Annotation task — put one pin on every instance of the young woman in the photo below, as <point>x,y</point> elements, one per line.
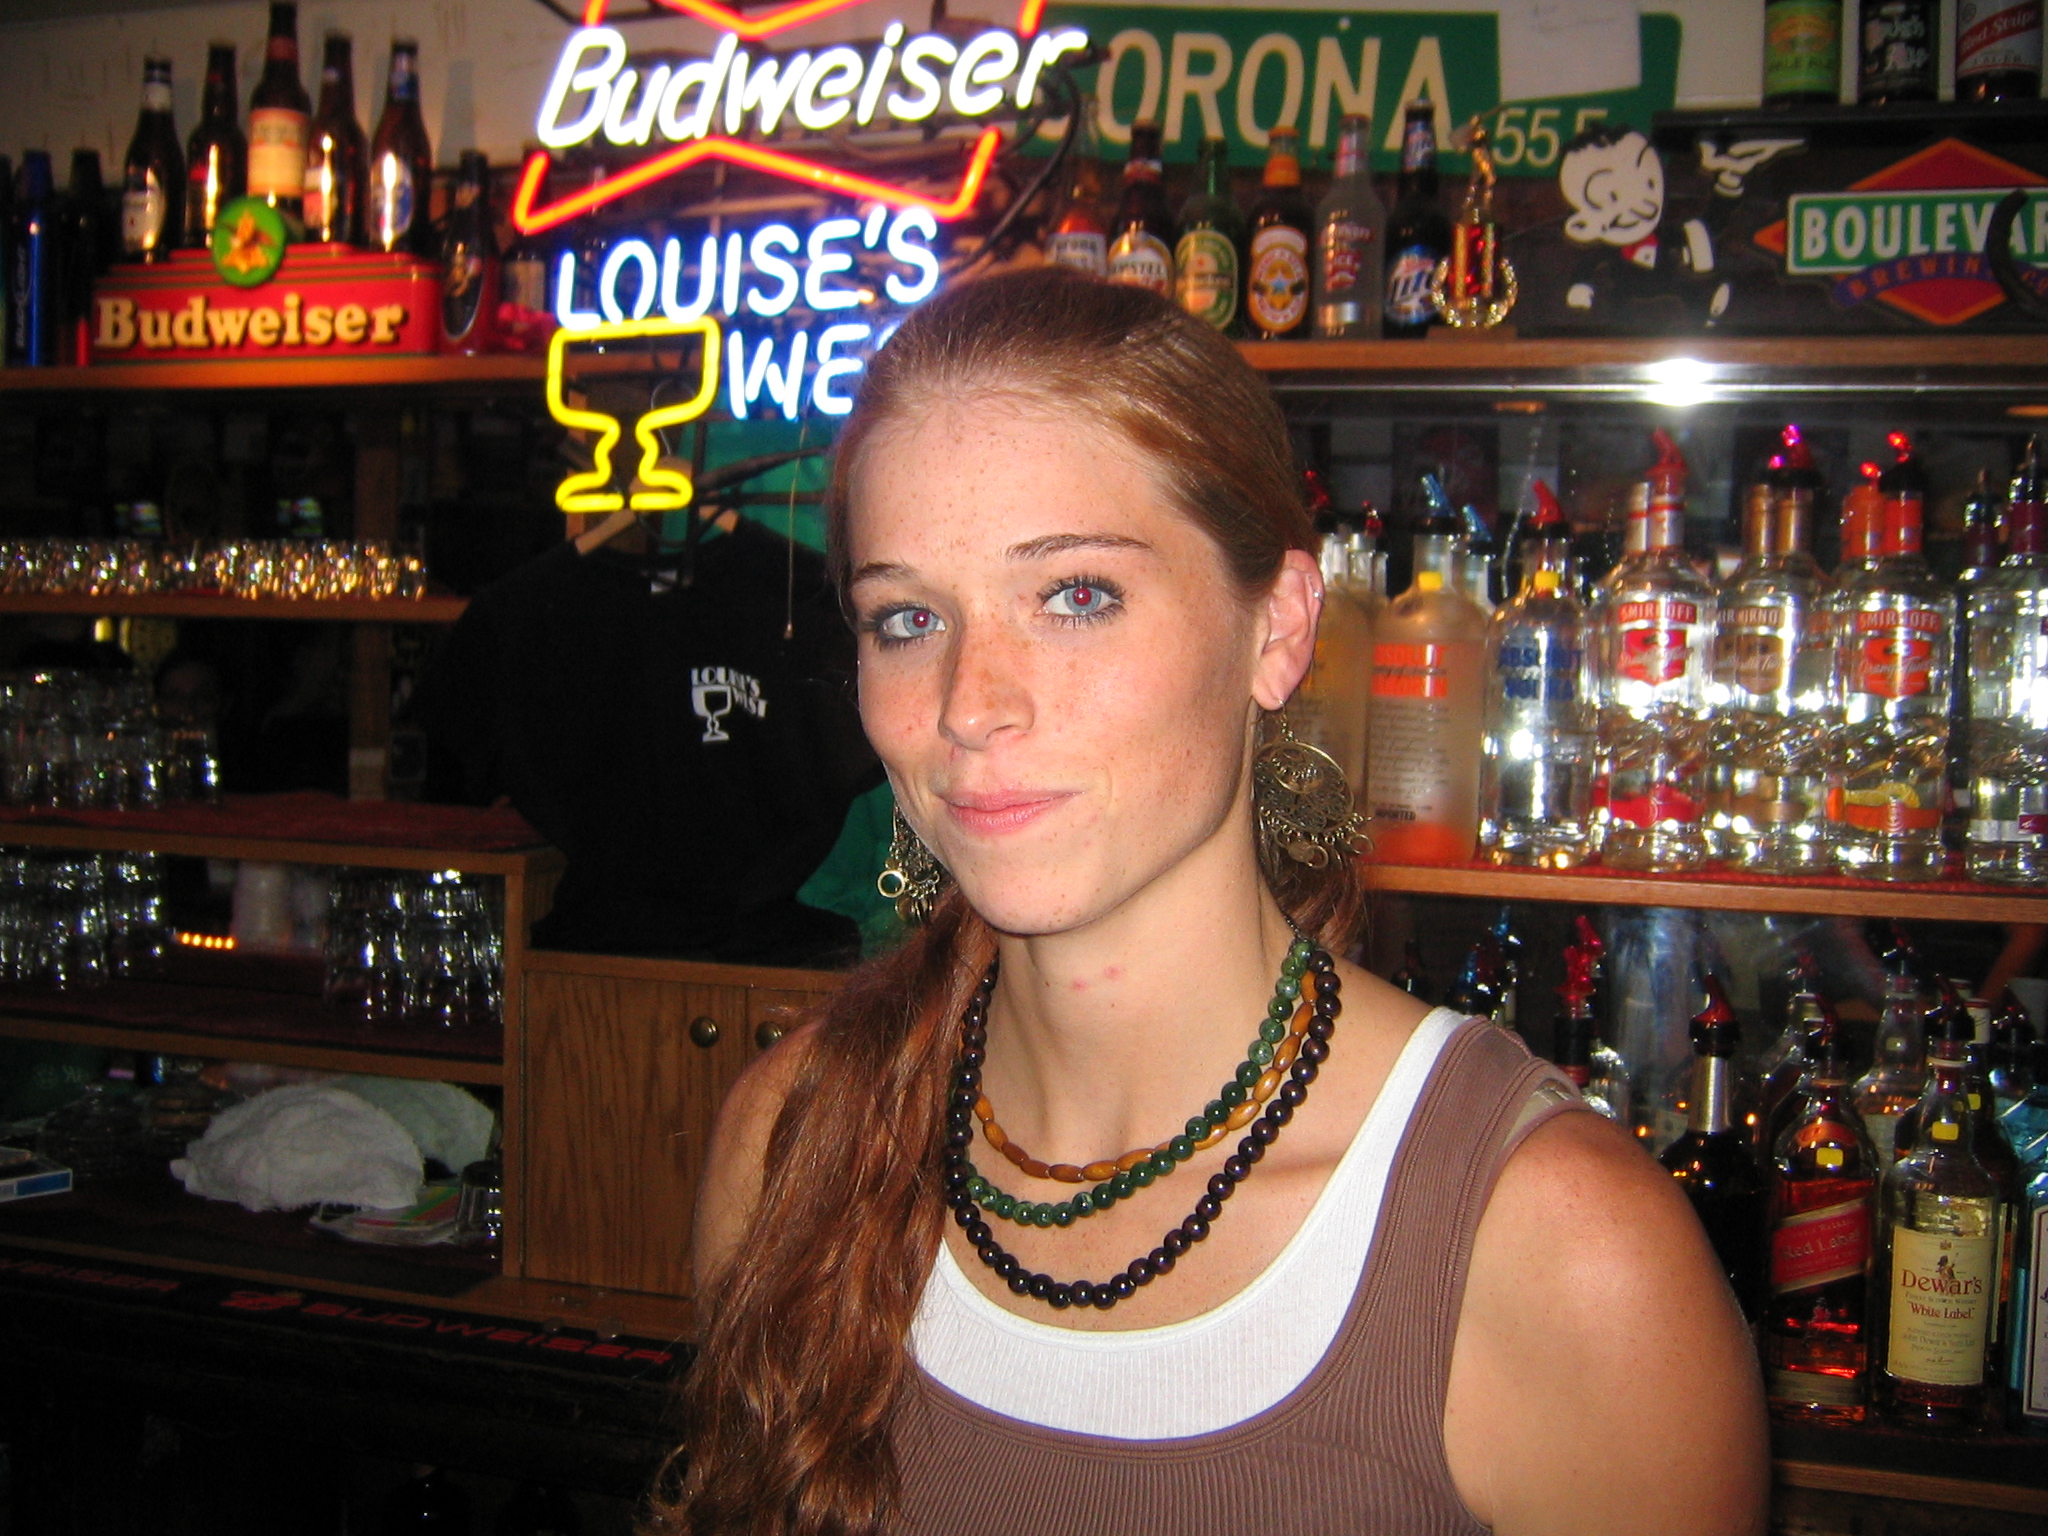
<point>1398,1290</point>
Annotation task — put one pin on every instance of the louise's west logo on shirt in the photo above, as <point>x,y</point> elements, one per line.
<point>716,692</point>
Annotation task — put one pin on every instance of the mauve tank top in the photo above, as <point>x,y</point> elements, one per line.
<point>1356,1449</point>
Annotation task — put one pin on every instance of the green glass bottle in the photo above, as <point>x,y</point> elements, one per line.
<point>1206,276</point>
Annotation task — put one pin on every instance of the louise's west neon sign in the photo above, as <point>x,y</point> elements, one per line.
<point>702,106</point>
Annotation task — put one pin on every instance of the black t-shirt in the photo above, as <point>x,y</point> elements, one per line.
<point>693,764</point>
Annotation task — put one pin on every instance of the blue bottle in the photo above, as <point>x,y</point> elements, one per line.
<point>35,270</point>
<point>2026,1126</point>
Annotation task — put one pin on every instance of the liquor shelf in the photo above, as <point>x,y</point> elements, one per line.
<point>286,373</point>
<point>434,608</point>
<point>1719,890</point>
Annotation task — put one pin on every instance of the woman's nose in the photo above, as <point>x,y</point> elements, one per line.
<point>986,688</point>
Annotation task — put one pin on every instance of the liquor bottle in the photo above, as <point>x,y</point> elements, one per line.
<point>92,240</point>
<point>1428,676</point>
<point>1802,52</point>
<point>2012,1045</point>
<point>1276,269</point>
<point>1513,965</point>
<point>1205,275</point>
<point>1078,238</point>
<point>1785,1070</point>
<point>216,156</point>
<point>1898,1076</point>
<point>1332,701</point>
<point>1536,767</point>
<point>470,281</point>
<point>1142,235</point>
<point>1478,993</point>
<point>1413,976</point>
<point>280,115</point>
<point>1980,558</point>
<point>1824,1181</point>
<point>1712,1160</point>
<point>1998,50</point>
<point>1898,61</point>
<point>1935,1283</point>
<point>335,151</point>
<point>1351,241</point>
<point>1418,233</point>
<point>2007,666</point>
<point>397,213</point>
<point>1596,1070</point>
<point>153,174</point>
<point>1773,660</point>
<point>1890,771</point>
<point>35,277</point>
<point>1654,639</point>
<point>2026,1126</point>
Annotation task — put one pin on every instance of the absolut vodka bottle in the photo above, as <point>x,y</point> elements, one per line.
<point>1772,663</point>
<point>1890,774</point>
<point>2008,694</point>
<point>1655,638</point>
<point>1536,767</point>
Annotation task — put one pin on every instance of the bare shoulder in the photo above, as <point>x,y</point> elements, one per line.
<point>1599,1349</point>
<point>738,1152</point>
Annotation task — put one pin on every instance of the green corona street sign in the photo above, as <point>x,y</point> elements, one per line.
<point>1237,74</point>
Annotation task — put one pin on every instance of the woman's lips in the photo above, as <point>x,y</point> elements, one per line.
<point>1002,811</point>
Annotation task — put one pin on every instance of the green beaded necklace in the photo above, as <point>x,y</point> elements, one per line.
<point>1200,1131</point>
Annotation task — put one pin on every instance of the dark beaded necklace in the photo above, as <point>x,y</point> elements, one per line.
<point>961,1181</point>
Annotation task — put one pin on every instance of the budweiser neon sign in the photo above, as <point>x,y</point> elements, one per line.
<point>701,108</point>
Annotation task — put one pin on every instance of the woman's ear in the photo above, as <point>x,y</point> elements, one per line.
<point>1293,606</point>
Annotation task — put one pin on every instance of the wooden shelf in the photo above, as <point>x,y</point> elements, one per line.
<point>299,829</point>
<point>1941,900</point>
<point>1446,353</point>
<point>434,608</point>
<point>294,373</point>
<point>221,1045</point>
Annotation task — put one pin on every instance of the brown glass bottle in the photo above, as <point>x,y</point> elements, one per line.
<point>216,156</point>
<point>1896,51</point>
<point>400,189</point>
<point>1998,50</point>
<point>1142,234</point>
<point>470,276</point>
<point>1418,233</point>
<point>1823,1200</point>
<point>280,115</point>
<point>153,173</point>
<point>1276,269</point>
<point>1712,1161</point>
<point>335,151</point>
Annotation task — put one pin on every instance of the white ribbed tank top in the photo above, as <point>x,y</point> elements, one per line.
<point>1141,1383</point>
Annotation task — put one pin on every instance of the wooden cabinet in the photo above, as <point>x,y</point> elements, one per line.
<point>626,1063</point>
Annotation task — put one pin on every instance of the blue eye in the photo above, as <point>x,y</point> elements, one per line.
<point>903,624</point>
<point>1084,599</point>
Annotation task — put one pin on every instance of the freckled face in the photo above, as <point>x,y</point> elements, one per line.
<point>1054,665</point>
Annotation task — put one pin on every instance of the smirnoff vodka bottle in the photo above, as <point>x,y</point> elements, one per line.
<point>1655,639</point>
<point>1773,657</point>
<point>1536,773</point>
<point>2008,694</point>
<point>1890,772</point>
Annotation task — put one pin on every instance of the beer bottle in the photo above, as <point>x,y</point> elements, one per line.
<point>1351,240</point>
<point>1141,236</point>
<point>35,269</point>
<point>401,163</point>
<point>1078,238</point>
<point>335,151</point>
<point>153,175</point>
<point>1418,235</point>
<point>1205,274</point>
<point>1276,281</point>
<point>1802,52</point>
<point>279,116</point>
<point>1897,60</point>
<point>216,156</point>
<point>470,273</point>
<point>1998,50</point>
<point>91,240</point>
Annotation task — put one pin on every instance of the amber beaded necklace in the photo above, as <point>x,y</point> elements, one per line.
<point>966,1191</point>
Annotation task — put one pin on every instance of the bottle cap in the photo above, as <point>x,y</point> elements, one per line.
<point>1794,453</point>
<point>1545,580</point>
<point>1548,518</point>
<point>1429,581</point>
<point>1714,1028</point>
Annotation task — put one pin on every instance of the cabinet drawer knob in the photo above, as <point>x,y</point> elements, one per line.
<point>768,1031</point>
<point>704,1031</point>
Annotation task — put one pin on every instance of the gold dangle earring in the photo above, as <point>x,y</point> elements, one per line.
<point>912,878</point>
<point>1302,803</point>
